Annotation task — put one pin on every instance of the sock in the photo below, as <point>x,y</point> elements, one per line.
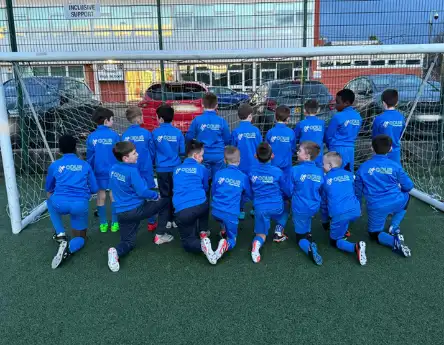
<point>101,210</point>
<point>279,229</point>
<point>76,244</point>
<point>260,240</point>
<point>345,246</point>
<point>386,239</point>
<point>113,212</point>
<point>152,220</point>
<point>304,244</point>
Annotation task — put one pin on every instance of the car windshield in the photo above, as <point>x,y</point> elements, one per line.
<point>294,90</point>
<point>36,88</point>
<point>176,92</point>
<point>404,82</point>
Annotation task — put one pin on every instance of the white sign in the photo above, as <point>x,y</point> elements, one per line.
<point>110,72</point>
<point>82,11</point>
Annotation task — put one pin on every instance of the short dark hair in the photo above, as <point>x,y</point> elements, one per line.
<point>101,114</point>
<point>165,112</point>
<point>311,106</point>
<point>390,97</point>
<point>67,144</point>
<point>122,149</point>
<point>244,111</point>
<point>193,147</point>
<point>264,152</point>
<point>382,144</point>
<point>209,101</point>
<point>282,113</point>
<point>311,148</point>
<point>347,95</point>
<point>232,154</point>
<point>133,113</point>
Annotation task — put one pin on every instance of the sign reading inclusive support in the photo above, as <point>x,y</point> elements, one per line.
<point>82,11</point>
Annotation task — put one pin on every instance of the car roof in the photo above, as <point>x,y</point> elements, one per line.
<point>282,81</point>
<point>181,83</point>
<point>375,76</point>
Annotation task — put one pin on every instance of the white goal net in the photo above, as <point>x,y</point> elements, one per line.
<point>47,99</point>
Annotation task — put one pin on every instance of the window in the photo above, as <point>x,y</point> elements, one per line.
<point>58,71</point>
<point>284,70</point>
<point>40,71</point>
<point>76,72</point>
<point>248,74</point>
<point>412,62</point>
<point>377,62</point>
<point>144,18</point>
<point>361,63</point>
<point>327,64</point>
<point>343,63</point>
<point>121,21</point>
<point>187,73</point>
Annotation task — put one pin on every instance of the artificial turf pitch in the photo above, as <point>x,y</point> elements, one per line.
<point>163,295</point>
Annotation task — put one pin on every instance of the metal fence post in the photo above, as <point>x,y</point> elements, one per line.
<point>159,31</point>
<point>304,59</point>
<point>441,101</point>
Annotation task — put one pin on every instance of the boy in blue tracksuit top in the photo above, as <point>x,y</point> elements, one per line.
<point>305,184</point>
<point>99,154</point>
<point>386,187</point>
<point>391,122</point>
<point>282,141</point>
<point>246,138</point>
<point>143,141</point>
<point>134,200</point>
<point>268,186</point>
<point>227,190</point>
<point>340,206</point>
<point>170,145</point>
<point>311,129</point>
<point>190,188</point>
<point>213,131</point>
<point>344,128</point>
<point>69,184</point>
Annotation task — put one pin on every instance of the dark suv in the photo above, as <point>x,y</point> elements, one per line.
<point>293,94</point>
<point>63,106</point>
<point>426,119</point>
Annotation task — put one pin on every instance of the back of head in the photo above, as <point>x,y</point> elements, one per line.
<point>390,97</point>
<point>133,113</point>
<point>347,96</point>
<point>264,152</point>
<point>312,149</point>
<point>67,144</point>
<point>311,106</point>
<point>244,111</point>
<point>193,147</point>
<point>382,144</point>
<point>282,113</point>
<point>101,114</point>
<point>209,101</point>
<point>123,148</point>
<point>333,158</point>
<point>165,112</point>
<point>232,155</point>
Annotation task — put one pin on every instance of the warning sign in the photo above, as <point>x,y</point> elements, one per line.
<point>82,11</point>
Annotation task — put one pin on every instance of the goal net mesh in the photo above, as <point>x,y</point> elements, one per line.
<point>46,100</point>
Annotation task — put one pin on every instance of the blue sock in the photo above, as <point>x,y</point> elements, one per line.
<point>304,244</point>
<point>152,220</point>
<point>101,210</point>
<point>386,239</point>
<point>76,244</point>
<point>345,246</point>
<point>113,212</point>
<point>258,238</point>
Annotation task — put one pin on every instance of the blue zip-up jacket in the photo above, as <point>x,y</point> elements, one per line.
<point>338,195</point>
<point>391,123</point>
<point>382,181</point>
<point>190,184</point>
<point>228,186</point>
<point>343,128</point>
<point>310,129</point>
<point>213,131</point>
<point>170,144</point>
<point>282,141</point>
<point>143,140</point>
<point>246,138</point>
<point>268,186</point>
<point>71,178</point>
<point>99,151</point>
<point>129,188</point>
<point>306,181</point>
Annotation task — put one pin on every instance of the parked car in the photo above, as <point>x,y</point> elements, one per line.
<point>63,105</point>
<point>293,94</point>
<point>184,97</point>
<point>426,119</point>
<point>228,98</point>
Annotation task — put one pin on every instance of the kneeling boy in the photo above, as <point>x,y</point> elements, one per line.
<point>69,184</point>
<point>134,201</point>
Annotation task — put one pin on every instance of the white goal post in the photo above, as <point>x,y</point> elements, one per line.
<point>19,221</point>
